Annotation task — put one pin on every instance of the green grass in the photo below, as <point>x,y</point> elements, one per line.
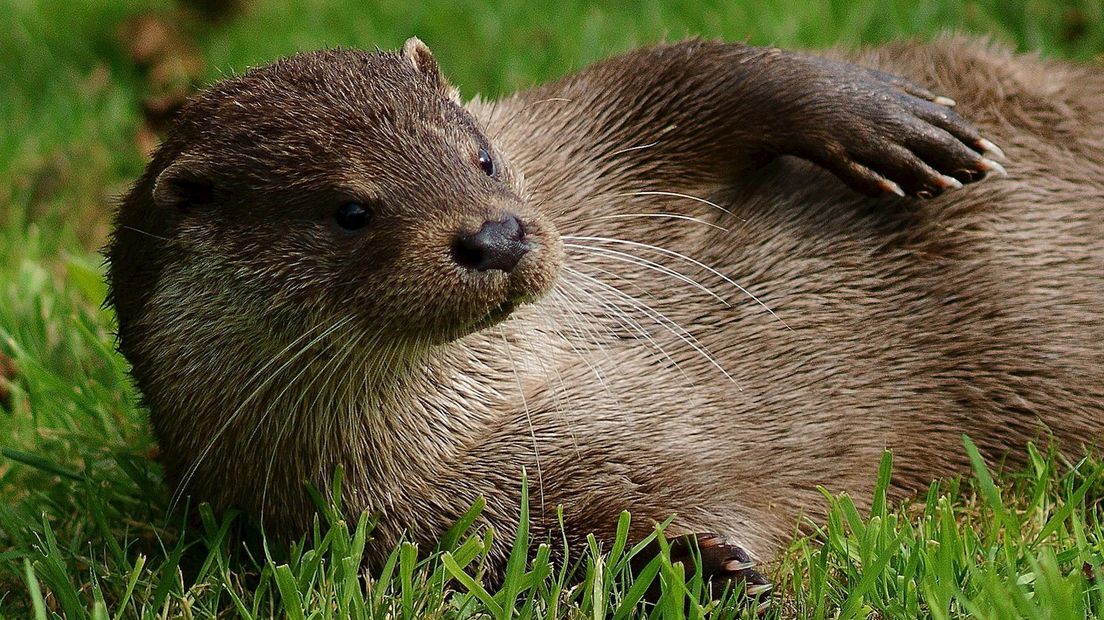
<point>83,524</point>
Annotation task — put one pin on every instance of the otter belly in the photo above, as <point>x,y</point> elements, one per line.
<point>722,368</point>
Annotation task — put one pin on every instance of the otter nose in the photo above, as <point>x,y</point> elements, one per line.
<point>497,245</point>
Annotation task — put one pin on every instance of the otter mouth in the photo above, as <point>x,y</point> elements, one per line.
<point>489,319</point>
<point>497,315</point>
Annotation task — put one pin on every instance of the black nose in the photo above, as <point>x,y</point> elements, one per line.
<point>497,245</point>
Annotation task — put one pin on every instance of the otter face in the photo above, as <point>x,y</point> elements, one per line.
<point>342,185</point>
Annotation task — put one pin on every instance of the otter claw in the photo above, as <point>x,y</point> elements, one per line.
<point>989,165</point>
<point>723,563</point>
<point>947,101</point>
<point>735,565</point>
<point>892,188</point>
<point>949,182</point>
<point>988,148</point>
<point>757,589</point>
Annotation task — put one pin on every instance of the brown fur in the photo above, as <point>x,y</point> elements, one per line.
<point>894,323</point>
<point>7,375</point>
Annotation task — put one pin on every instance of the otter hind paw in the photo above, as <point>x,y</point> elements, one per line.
<point>723,564</point>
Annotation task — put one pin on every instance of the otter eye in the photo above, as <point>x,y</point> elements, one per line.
<point>485,162</point>
<point>352,216</point>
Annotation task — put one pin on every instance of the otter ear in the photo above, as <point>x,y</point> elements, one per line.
<point>419,55</point>
<point>183,185</point>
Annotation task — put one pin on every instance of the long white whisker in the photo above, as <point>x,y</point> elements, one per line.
<point>148,234</point>
<point>688,259</point>
<point>528,417</point>
<point>295,409</point>
<point>662,320</point>
<point>186,479</point>
<point>633,148</point>
<point>632,259</point>
<point>678,195</point>
<point>676,216</point>
<point>578,326</point>
<point>557,296</point>
<point>625,319</point>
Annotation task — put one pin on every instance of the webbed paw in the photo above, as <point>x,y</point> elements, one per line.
<point>723,564</point>
<point>880,133</point>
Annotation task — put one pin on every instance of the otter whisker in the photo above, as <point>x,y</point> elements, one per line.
<point>551,100</point>
<point>592,341</point>
<point>528,416</point>
<point>633,148</point>
<point>331,411</point>
<point>632,259</point>
<point>186,479</point>
<point>578,325</point>
<point>624,318</point>
<point>681,195</point>
<point>620,315</point>
<point>668,325</point>
<point>557,297</point>
<point>381,350</point>
<point>675,216</point>
<point>148,234</point>
<point>295,409</point>
<point>358,350</point>
<point>378,357</point>
<point>292,409</point>
<point>688,259</point>
<point>662,320</point>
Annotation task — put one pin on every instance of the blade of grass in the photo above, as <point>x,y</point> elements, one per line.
<point>37,603</point>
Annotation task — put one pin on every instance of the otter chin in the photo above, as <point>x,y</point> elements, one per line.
<point>698,282</point>
<point>495,316</point>
<point>522,258</point>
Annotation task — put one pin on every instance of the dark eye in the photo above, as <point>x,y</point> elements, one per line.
<point>485,162</point>
<point>352,216</point>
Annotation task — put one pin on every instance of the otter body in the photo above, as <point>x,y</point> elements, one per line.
<point>618,282</point>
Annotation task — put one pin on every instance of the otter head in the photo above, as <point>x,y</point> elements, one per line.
<point>332,187</point>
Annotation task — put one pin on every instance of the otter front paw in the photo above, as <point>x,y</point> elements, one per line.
<point>880,133</point>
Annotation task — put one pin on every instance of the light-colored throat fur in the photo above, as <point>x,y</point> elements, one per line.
<point>267,410</point>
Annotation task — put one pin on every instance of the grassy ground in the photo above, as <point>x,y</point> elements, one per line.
<point>83,525</point>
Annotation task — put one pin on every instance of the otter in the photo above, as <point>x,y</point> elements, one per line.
<point>697,280</point>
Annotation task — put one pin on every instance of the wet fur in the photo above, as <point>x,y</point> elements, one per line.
<point>896,324</point>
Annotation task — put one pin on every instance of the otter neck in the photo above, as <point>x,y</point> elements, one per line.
<point>324,397</point>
